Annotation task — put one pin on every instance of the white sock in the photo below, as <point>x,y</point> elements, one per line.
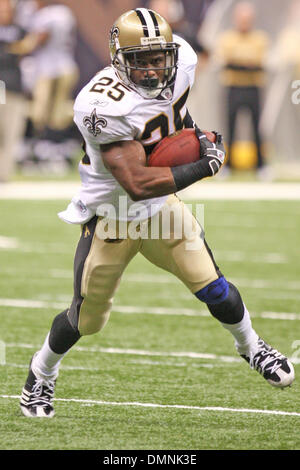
<point>45,363</point>
<point>245,336</point>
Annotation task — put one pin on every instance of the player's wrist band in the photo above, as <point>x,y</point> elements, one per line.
<point>185,175</point>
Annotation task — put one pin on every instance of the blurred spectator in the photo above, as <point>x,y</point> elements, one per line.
<point>51,43</point>
<point>281,115</point>
<point>286,53</point>
<point>284,61</point>
<point>12,112</point>
<point>242,51</point>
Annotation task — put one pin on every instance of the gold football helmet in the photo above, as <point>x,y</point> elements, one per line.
<point>137,31</point>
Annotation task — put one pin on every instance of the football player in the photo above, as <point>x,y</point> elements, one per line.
<point>126,108</point>
<point>51,43</point>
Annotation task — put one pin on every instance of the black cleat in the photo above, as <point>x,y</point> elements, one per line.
<point>37,397</point>
<point>272,365</point>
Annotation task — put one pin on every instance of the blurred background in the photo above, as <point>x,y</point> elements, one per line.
<point>247,84</point>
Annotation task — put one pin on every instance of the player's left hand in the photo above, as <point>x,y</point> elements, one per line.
<point>213,151</point>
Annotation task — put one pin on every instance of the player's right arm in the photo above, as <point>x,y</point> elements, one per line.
<point>126,160</point>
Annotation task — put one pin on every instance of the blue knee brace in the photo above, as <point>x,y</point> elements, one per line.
<point>215,293</point>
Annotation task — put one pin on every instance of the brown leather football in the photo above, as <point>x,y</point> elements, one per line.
<point>178,149</point>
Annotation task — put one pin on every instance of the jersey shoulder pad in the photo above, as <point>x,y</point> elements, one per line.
<point>107,94</point>
<point>187,58</point>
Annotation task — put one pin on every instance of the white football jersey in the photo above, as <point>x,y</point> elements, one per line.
<point>107,111</point>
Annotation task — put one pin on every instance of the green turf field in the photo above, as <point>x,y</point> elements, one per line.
<point>160,348</point>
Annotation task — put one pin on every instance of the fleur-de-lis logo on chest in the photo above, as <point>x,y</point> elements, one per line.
<point>93,123</point>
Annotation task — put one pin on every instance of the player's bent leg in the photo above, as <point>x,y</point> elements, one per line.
<point>38,392</point>
<point>225,304</point>
<point>98,267</point>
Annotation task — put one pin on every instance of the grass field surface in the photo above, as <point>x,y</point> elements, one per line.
<point>163,374</point>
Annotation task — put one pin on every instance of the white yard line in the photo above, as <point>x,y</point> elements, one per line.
<point>251,257</point>
<point>45,190</point>
<point>26,303</point>
<point>25,366</point>
<point>205,190</point>
<point>266,284</point>
<point>14,244</point>
<point>165,279</point>
<point>138,352</point>
<point>9,243</point>
<point>178,407</point>
<point>146,362</point>
<point>242,222</point>
<point>145,278</point>
<point>142,352</point>
<point>278,316</point>
<point>141,310</point>
<point>188,312</point>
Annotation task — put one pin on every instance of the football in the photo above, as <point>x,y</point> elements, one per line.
<point>178,148</point>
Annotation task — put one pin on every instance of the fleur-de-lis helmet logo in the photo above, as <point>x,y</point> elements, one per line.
<point>114,34</point>
<point>93,123</point>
